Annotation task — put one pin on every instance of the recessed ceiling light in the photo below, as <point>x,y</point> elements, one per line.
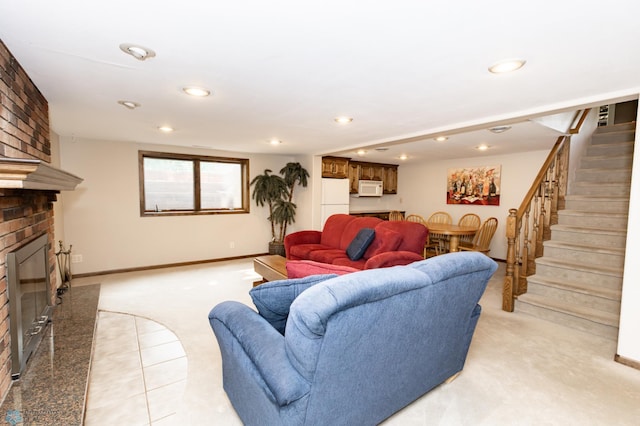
<point>129,104</point>
<point>274,141</point>
<point>403,157</point>
<point>499,129</point>
<point>138,52</point>
<point>361,152</point>
<point>166,129</point>
<point>196,91</point>
<point>441,138</point>
<point>507,66</point>
<point>482,147</point>
<point>343,120</point>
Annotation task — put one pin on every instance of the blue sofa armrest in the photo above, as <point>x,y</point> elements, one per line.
<point>236,324</point>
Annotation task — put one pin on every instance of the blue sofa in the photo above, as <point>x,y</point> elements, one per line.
<point>350,349</point>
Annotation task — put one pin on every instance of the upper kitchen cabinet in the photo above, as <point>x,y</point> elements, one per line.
<point>335,167</point>
<point>354,177</point>
<point>361,170</point>
<point>390,180</point>
<point>371,171</point>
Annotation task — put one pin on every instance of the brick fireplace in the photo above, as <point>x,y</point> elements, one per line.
<point>28,184</point>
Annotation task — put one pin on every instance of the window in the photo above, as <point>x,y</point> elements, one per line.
<point>175,184</point>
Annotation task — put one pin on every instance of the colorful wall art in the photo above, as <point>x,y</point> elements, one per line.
<point>474,185</point>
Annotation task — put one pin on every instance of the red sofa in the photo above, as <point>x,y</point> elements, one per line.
<point>395,242</point>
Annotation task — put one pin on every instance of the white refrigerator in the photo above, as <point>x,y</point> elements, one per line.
<point>335,198</point>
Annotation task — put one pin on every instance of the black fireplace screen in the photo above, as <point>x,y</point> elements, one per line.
<point>29,298</point>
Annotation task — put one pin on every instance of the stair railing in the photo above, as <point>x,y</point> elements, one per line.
<point>530,225</point>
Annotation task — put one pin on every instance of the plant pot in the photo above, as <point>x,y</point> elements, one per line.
<point>276,247</point>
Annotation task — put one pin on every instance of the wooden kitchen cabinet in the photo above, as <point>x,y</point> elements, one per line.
<point>371,171</point>
<point>361,170</point>
<point>335,167</point>
<point>390,180</point>
<point>356,171</point>
<point>354,177</point>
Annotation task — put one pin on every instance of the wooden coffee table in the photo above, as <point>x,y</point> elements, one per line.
<point>271,268</point>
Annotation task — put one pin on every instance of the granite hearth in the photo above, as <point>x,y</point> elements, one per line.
<point>52,389</point>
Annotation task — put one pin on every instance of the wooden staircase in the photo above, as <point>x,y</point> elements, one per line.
<point>578,280</point>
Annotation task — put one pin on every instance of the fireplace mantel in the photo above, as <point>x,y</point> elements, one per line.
<point>18,173</point>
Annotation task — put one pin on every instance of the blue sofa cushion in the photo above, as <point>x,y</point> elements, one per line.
<point>360,243</point>
<point>274,298</point>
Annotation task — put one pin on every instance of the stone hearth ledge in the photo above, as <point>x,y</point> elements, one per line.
<point>52,389</point>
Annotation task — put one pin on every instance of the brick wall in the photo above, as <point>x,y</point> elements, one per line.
<point>24,214</point>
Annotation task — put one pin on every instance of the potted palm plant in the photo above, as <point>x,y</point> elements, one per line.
<point>276,192</point>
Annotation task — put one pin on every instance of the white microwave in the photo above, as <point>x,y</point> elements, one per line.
<point>370,188</point>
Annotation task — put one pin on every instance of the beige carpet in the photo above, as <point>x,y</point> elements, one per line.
<point>520,370</point>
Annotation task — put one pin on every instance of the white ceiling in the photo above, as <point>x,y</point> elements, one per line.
<point>285,69</point>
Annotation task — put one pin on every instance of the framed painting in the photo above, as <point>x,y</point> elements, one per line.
<point>474,185</point>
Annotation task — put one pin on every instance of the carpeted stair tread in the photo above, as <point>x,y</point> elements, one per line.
<point>611,140</point>
<point>596,197</point>
<point>581,287</point>
<point>602,231</point>
<point>590,314</point>
<point>616,128</point>
<point>597,203</point>
<point>608,158</point>
<point>604,157</point>
<point>610,185</point>
<point>585,247</point>
<point>615,142</point>
<point>603,169</point>
<point>598,269</point>
<point>613,149</point>
<point>591,213</point>
<point>624,170</point>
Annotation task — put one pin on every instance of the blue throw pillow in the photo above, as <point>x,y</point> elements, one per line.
<point>274,298</point>
<point>358,246</point>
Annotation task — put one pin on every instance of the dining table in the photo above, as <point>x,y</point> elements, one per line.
<point>453,231</point>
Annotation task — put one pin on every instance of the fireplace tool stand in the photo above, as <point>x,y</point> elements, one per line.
<point>64,266</point>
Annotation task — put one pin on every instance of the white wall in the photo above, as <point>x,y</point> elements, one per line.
<point>304,198</point>
<point>386,202</point>
<point>102,216</point>
<point>579,145</point>
<point>561,122</point>
<point>423,189</point>
<point>629,331</point>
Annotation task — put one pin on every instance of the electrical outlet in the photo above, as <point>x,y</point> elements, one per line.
<point>232,244</point>
<point>76,258</point>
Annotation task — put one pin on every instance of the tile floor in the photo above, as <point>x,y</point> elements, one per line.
<point>138,372</point>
